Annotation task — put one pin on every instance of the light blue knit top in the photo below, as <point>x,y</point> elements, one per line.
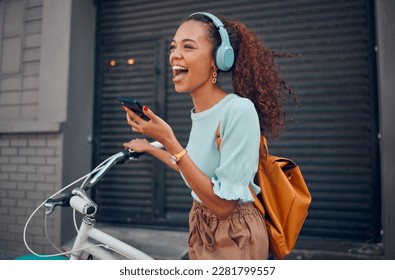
<point>232,168</point>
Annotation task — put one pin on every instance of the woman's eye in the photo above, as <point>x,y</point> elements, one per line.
<point>173,47</point>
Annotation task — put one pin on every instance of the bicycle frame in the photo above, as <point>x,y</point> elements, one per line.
<point>87,230</point>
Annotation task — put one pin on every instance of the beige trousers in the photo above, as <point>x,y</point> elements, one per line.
<point>241,236</point>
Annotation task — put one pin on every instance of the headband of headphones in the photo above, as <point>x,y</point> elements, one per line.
<point>224,54</point>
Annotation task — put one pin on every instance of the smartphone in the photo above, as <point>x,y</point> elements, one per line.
<point>133,105</point>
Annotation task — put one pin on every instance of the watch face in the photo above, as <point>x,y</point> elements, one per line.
<point>173,159</point>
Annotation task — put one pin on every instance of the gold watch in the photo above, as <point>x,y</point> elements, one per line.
<point>176,158</point>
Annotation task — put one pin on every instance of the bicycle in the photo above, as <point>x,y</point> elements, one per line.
<point>90,240</point>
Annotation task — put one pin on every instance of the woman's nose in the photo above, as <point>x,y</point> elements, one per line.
<point>175,53</point>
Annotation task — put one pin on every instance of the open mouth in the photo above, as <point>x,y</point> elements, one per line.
<point>179,72</point>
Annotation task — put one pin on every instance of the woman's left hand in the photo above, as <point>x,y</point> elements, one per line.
<point>138,145</point>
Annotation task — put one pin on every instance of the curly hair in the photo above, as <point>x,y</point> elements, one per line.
<point>255,74</point>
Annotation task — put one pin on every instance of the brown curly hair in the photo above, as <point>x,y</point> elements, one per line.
<point>255,74</point>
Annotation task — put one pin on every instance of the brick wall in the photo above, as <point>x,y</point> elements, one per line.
<point>30,163</point>
<point>41,43</point>
<point>30,171</point>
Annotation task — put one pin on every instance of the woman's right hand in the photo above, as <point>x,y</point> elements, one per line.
<point>156,128</point>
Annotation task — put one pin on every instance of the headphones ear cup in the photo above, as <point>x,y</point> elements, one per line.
<point>224,57</point>
<point>224,54</point>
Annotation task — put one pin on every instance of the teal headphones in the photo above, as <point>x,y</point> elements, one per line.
<point>224,54</point>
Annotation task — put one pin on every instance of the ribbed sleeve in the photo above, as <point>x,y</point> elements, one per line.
<point>238,152</point>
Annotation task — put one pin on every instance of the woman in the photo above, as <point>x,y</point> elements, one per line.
<point>224,224</point>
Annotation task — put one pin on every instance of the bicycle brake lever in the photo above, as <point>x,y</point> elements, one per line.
<point>51,203</point>
<point>128,154</point>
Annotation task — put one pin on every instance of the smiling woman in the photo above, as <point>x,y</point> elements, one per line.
<point>223,221</point>
<point>191,57</point>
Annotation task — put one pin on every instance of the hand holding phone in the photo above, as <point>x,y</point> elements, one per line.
<point>133,105</point>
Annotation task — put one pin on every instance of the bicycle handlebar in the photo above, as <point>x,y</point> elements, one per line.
<point>65,200</point>
<point>119,158</point>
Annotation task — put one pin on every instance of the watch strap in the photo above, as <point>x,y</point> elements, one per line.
<point>178,156</point>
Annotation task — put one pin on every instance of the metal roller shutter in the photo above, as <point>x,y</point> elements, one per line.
<point>127,190</point>
<point>332,135</point>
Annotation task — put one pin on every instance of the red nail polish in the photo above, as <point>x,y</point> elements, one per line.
<point>145,108</point>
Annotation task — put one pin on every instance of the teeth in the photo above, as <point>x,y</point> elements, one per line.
<point>176,67</point>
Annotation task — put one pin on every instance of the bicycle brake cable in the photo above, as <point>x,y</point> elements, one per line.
<point>88,175</point>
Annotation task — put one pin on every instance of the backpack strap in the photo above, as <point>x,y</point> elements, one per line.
<point>257,202</point>
<point>218,138</point>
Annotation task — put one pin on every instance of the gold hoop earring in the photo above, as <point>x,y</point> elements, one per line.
<point>214,80</point>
